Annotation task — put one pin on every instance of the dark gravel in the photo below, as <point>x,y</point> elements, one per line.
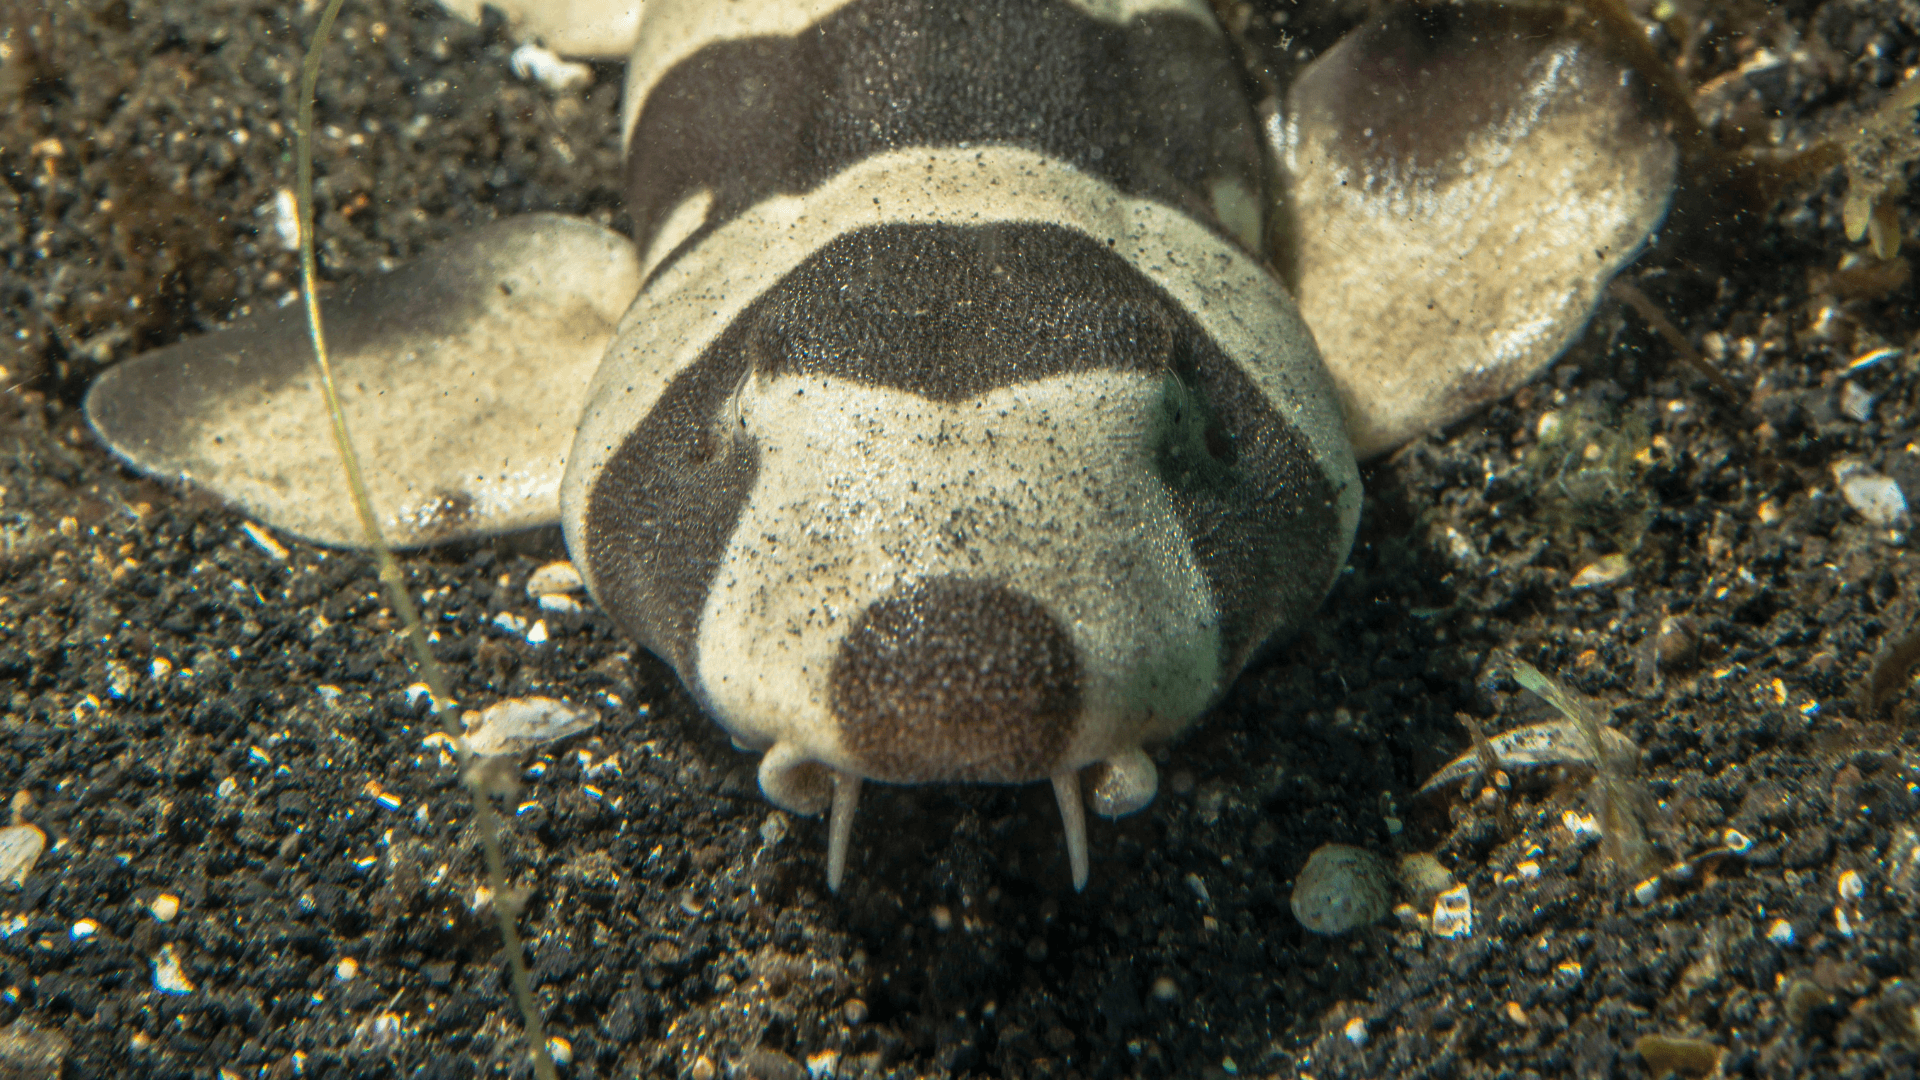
<point>673,916</point>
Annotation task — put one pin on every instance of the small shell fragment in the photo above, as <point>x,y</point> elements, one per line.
<point>1453,913</point>
<point>518,725</point>
<point>1556,742</point>
<point>20,848</point>
<point>1342,887</point>
<point>1874,497</point>
<point>535,64</point>
<point>1603,571</point>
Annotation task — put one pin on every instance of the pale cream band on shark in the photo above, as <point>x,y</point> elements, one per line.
<point>1240,305</point>
<point>681,223</point>
<point>1048,488</point>
<point>669,32</point>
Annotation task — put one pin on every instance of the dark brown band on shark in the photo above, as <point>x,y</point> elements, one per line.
<point>950,312</point>
<point>981,678</point>
<point>665,505</point>
<point>1153,106</point>
<point>1257,505</point>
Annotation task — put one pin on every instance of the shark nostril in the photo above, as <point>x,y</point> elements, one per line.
<point>957,679</point>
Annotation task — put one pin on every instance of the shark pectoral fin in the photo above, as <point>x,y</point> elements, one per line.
<point>1460,183</point>
<point>595,28</point>
<point>462,374</point>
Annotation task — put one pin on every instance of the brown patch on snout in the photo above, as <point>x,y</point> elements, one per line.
<point>957,679</point>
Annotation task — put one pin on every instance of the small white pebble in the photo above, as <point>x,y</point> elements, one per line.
<point>168,978</point>
<point>83,930</point>
<point>1603,571</point>
<point>511,623</point>
<point>1582,826</point>
<point>560,1050</point>
<point>164,907</point>
<point>1737,842</point>
<point>558,603</point>
<point>1856,402</point>
<point>555,578</point>
<point>1852,885</point>
<point>1528,870</point>
<point>283,215</point>
<point>1199,888</point>
<point>535,64</point>
<point>20,848</point>
<point>347,968</point>
<point>774,829</point>
<point>1781,932</point>
<point>1874,497</point>
<point>159,668</point>
<point>823,1065</point>
<point>264,540</point>
<point>1647,891</point>
<point>120,680</point>
<point>942,918</point>
<point>1165,989</point>
<point>537,633</point>
<point>1453,913</point>
<point>1869,359</point>
<point>1842,921</point>
<point>1356,1031</point>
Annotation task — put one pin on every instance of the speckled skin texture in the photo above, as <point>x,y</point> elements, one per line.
<point>677,916</point>
<point>919,321</point>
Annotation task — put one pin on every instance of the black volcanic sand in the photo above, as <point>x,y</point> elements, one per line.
<point>673,916</point>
